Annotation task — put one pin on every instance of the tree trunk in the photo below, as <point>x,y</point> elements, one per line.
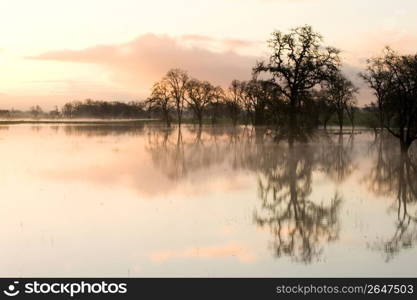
<point>179,113</point>
<point>167,119</point>
<point>200,120</point>
<point>340,117</point>
<point>404,146</point>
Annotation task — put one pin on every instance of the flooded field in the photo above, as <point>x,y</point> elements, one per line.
<point>147,200</point>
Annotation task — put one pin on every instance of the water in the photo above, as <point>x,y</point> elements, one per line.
<point>150,201</point>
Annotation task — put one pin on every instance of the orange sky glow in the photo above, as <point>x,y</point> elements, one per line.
<point>52,52</point>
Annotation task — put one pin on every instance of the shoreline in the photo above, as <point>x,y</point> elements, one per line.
<point>77,122</point>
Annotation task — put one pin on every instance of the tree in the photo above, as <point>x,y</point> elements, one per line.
<point>393,77</point>
<point>54,113</point>
<point>340,91</point>
<point>216,103</point>
<point>233,100</point>
<point>378,77</point>
<point>67,110</point>
<point>259,94</point>
<point>176,82</point>
<point>36,111</point>
<point>198,96</point>
<point>325,106</point>
<point>298,63</point>
<point>102,109</point>
<point>161,100</point>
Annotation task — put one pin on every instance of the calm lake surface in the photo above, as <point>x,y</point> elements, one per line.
<point>139,201</point>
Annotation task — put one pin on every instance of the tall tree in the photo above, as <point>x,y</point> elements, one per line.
<point>215,104</point>
<point>233,100</point>
<point>258,96</point>
<point>176,81</point>
<point>198,96</point>
<point>298,62</point>
<point>325,106</point>
<point>395,78</point>
<point>379,78</point>
<point>340,91</point>
<point>160,100</point>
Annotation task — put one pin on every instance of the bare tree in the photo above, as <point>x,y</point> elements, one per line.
<point>340,91</point>
<point>36,111</point>
<point>259,95</point>
<point>378,77</point>
<point>216,102</point>
<point>325,106</point>
<point>161,100</point>
<point>198,96</point>
<point>298,63</point>
<point>233,100</point>
<point>393,77</point>
<point>176,81</point>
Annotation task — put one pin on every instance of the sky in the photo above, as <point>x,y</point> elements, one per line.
<point>55,51</point>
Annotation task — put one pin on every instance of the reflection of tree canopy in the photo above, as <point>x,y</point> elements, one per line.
<point>395,174</point>
<point>336,156</point>
<point>380,178</point>
<point>102,129</point>
<point>181,151</point>
<point>300,225</point>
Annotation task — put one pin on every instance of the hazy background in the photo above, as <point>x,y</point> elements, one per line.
<point>55,51</point>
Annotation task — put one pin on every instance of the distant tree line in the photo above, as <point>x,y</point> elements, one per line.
<point>103,109</point>
<point>84,109</point>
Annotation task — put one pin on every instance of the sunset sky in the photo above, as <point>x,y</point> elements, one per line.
<point>54,51</point>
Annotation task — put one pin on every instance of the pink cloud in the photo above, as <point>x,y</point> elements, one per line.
<point>139,63</point>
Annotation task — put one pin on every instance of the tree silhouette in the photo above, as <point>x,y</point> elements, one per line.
<point>393,77</point>
<point>161,101</point>
<point>298,63</point>
<point>340,93</point>
<point>199,94</point>
<point>176,81</point>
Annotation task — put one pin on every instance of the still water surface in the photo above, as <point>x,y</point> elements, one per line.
<point>150,201</point>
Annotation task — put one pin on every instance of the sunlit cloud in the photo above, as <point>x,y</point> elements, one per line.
<point>144,60</point>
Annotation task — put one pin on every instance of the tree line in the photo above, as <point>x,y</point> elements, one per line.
<point>300,86</point>
<point>84,109</point>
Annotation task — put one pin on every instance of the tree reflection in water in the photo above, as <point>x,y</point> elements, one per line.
<point>395,173</point>
<point>300,226</point>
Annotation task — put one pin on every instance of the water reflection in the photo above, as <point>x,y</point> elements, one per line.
<point>336,156</point>
<point>300,225</point>
<point>216,200</point>
<point>100,130</point>
<point>395,173</point>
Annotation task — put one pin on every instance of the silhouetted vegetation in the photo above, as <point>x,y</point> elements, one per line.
<point>393,78</point>
<point>300,87</point>
<point>102,109</point>
<point>297,64</point>
<point>338,96</point>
